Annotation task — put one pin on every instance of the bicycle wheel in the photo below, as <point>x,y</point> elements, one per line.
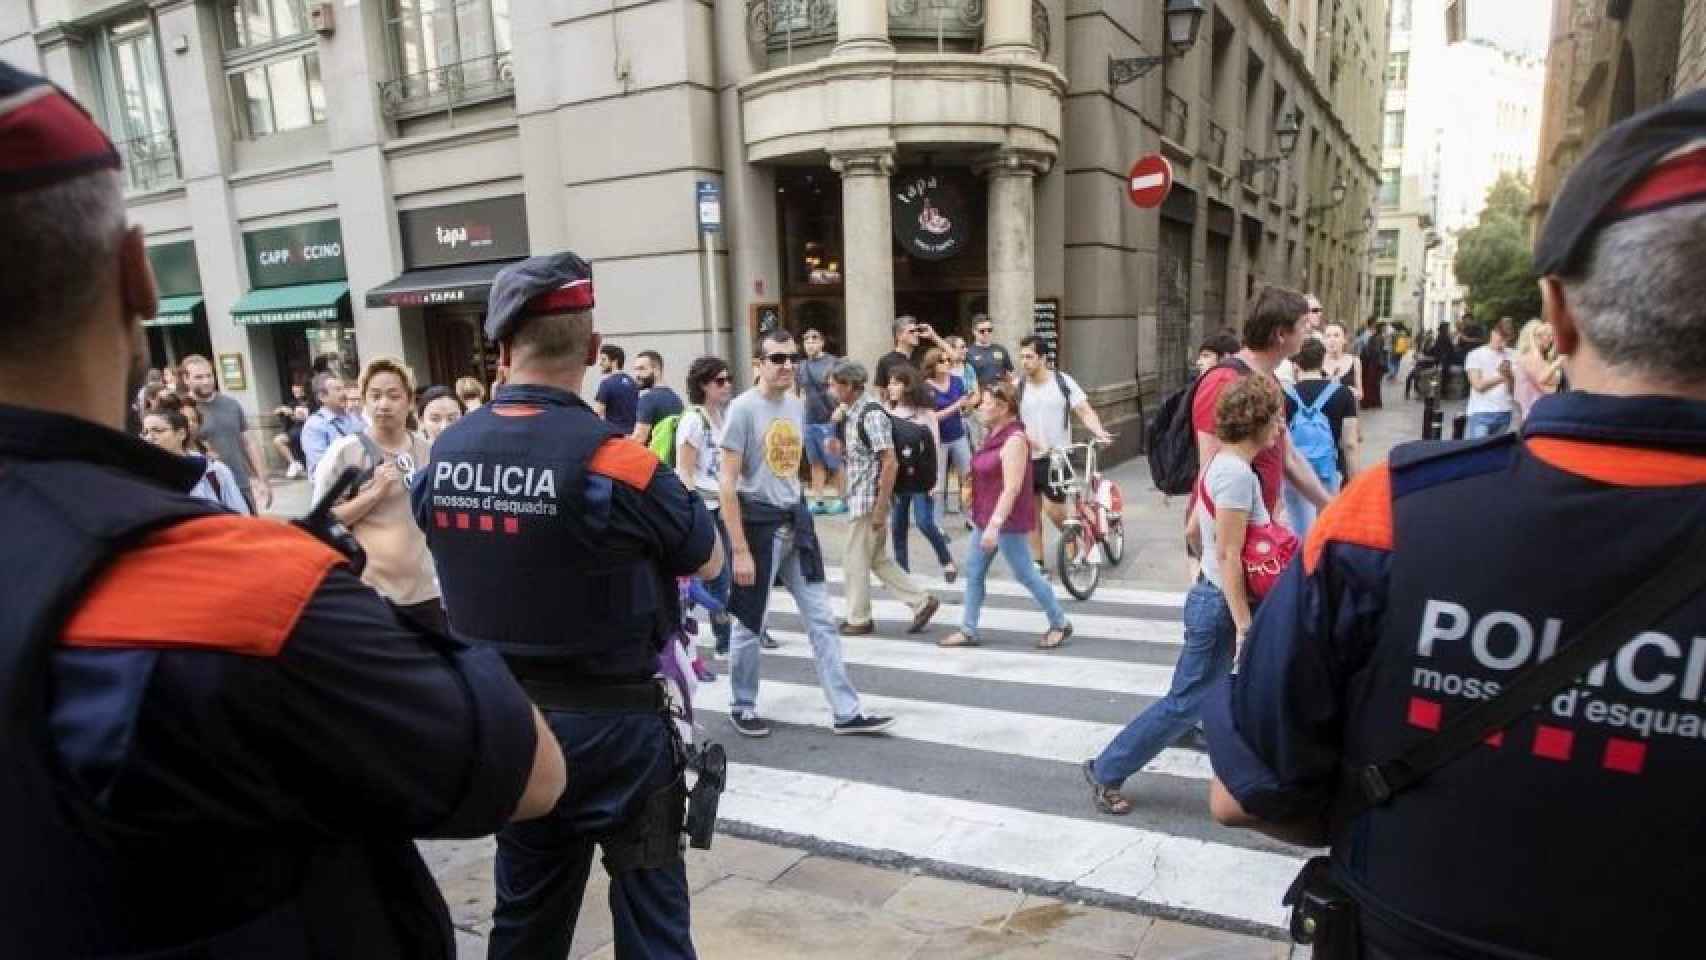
<point>1113,542</point>
<point>1078,572</point>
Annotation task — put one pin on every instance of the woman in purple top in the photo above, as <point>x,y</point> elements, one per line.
<point>1002,512</point>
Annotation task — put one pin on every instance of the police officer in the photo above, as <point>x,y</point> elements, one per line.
<point>558,541</point>
<point>216,741</point>
<point>1576,830</point>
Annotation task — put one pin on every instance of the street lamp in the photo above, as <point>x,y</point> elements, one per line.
<point>1184,22</point>
<point>1285,136</point>
<point>1338,192</point>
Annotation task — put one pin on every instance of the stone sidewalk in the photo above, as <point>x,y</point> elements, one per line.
<point>757,901</point>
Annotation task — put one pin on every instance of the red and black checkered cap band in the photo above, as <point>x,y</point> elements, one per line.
<point>1677,179</point>
<point>45,137</point>
<point>571,296</point>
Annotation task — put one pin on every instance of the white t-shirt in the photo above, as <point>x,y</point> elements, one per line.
<point>1044,412</point>
<point>1498,399</point>
<point>705,438</point>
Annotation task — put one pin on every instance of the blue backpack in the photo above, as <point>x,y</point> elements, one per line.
<point>1312,432</point>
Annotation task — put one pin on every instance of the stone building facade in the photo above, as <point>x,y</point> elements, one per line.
<point>346,176</point>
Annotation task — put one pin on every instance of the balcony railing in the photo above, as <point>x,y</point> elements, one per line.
<point>449,87</point>
<point>1175,118</point>
<point>1214,143</point>
<point>150,161</point>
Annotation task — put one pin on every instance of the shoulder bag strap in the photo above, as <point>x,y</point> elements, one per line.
<point>1066,401</point>
<point>1372,785</point>
<point>1325,395</point>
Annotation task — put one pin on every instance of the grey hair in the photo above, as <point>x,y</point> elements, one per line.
<point>58,245</point>
<point>902,322</point>
<point>1639,298</point>
<point>850,372</point>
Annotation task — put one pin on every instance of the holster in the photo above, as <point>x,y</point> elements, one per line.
<point>652,839</point>
<point>1323,915</point>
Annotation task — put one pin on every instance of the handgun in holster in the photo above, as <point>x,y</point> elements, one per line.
<point>1323,915</point>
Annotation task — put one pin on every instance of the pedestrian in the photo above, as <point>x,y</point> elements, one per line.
<point>658,402</point>
<point>1247,423</point>
<point>1539,370</point>
<point>222,428</point>
<point>170,431</point>
<point>699,461</point>
<point>907,334</point>
<point>172,378</point>
<point>953,401</point>
<point>438,408</point>
<point>764,509</point>
<point>988,359</point>
<point>823,420</point>
<point>1047,400</point>
<point>572,574</point>
<point>909,398</point>
<point>1372,365</point>
<point>221,744</point>
<point>391,461</point>
<point>1443,351</point>
<point>471,392</point>
<point>288,440</point>
<point>1416,610</point>
<point>1338,364</point>
<point>1321,419</point>
<point>1314,328</point>
<point>618,396</point>
<point>1215,349</point>
<point>1002,514</point>
<point>1491,376</point>
<point>152,380</point>
<point>328,424</point>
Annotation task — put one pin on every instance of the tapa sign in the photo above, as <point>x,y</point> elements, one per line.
<point>287,256</point>
<point>932,220</point>
<point>476,232</point>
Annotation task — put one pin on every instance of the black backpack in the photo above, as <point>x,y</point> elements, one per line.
<point>1172,437</point>
<point>914,451</point>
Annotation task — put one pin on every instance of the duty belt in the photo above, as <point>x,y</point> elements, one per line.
<point>580,696</point>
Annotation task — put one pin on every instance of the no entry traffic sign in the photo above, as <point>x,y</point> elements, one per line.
<point>1150,179</point>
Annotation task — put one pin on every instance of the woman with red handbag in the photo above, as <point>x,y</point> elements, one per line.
<point>1244,552</point>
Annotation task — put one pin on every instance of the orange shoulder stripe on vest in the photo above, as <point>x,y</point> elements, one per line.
<point>626,461</point>
<point>236,584</point>
<point>1361,515</point>
<point>1619,465</point>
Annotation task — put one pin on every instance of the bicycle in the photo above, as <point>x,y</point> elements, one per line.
<point>1094,532</point>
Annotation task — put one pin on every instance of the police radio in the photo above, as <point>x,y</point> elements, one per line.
<point>328,529</point>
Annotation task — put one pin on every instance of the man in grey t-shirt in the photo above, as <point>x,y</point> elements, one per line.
<point>222,428</point>
<point>763,444</point>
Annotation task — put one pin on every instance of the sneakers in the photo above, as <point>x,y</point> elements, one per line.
<point>848,629</point>
<point>863,723</point>
<point>766,641</point>
<point>922,619</point>
<point>749,724</point>
<point>295,470</point>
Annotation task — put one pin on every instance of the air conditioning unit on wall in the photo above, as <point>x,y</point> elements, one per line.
<point>321,18</point>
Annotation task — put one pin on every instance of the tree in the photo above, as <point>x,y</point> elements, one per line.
<point>1494,259</point>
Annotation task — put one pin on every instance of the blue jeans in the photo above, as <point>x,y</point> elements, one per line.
<point>1207,657</point>
<point>812,599</point>
<point>1487,425</point>
<point>1016,550</point>
<point>817,446</point>
<point>1299,512</point>
<point>542,865</point>
<point>923,507</point>
<point>720,584</point>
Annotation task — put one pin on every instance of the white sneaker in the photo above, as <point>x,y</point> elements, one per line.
<point>294,471</point>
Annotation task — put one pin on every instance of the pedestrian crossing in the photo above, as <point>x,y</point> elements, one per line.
<point>980,773</point>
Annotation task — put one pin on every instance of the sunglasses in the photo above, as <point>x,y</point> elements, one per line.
<point>985,329</point>
<point>783,359</point>
<point>722,380</point>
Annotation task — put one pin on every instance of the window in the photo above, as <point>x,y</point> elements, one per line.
<point>271,66</point>
<point>133,102</point>
<point>1389,188</point>
<point>447,52</point>
<point>1398,71</point>
<point>1383,297</point>
<point>1400,19</point>
<point>1392,135</point>
<point>1386,244</point>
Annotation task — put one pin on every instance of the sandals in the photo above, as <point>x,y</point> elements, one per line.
<point>1107,799</point>
<point>1065,635</point>
<point>959,638</point>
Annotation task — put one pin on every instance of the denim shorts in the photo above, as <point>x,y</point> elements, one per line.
<point>817,446</point>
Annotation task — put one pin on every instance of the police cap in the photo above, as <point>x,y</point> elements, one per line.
<point>1651,161</point>
<point>45,137</point>
<point>559,283</point>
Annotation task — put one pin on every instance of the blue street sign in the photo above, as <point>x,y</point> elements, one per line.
<point>709,199</point>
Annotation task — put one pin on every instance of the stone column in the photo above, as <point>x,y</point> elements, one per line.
<point>862,26</point>
<point>1007,30</point>
<point>1012,241</point>
<point>867,251</point>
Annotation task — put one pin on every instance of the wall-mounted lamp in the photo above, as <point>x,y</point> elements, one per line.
<point>1184,22</point>
<point>1338,192</point>
<point>1285,136</point>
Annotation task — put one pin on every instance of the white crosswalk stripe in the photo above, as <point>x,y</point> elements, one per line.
<point>962,714</point>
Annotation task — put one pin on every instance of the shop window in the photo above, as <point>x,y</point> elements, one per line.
<point>133,102</point>
<point>446,54</point>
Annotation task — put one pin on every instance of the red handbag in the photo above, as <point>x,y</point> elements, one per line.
<point>1268,548</point>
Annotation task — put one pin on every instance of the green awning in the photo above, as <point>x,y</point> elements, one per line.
<point>175,311</point>
<point>303,303</point>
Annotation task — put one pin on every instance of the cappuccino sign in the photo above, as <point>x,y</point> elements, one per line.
<point>286,256</point>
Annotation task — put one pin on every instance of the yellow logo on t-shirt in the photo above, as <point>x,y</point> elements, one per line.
<point>783,447</point>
